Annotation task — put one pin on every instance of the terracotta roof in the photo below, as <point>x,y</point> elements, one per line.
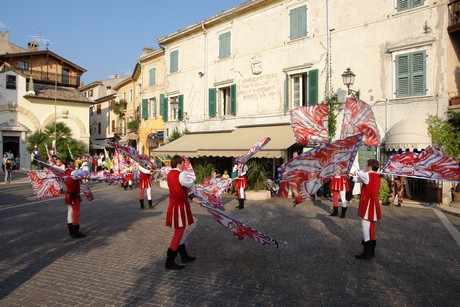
<point>50,92</point>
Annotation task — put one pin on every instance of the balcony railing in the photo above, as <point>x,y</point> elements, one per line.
<point>454,16</point>
<point>50,77</point>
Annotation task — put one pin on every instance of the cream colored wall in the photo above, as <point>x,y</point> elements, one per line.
<point>365,36</point>
<point>33,114</point>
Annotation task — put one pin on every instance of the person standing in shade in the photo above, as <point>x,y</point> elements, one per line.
<point>397,189</point>
<point>241,183</point>
<point>72,199</point>
<point>179,215</point>
<point>145,183</point>
<point>369,207</point>
<point>339,187</point>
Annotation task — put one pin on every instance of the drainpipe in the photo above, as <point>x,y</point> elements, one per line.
<point>328,37</point>
<point>205,84</point>
<point>141,80</point>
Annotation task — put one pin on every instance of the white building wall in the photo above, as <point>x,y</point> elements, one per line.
<point>365,36</point>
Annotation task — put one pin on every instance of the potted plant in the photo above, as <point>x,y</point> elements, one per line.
<point>257,180</point>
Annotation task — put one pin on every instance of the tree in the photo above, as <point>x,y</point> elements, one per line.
<point>445,134</point>
<point>64,141</point>
<point>120,108</point>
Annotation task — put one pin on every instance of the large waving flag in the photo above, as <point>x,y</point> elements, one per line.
<point>211,190</point>
<point>310,124</point>
<point>305,174</point>
<point>253,150</point>
<point>239,229</point>
<point>131,152</point>
<point>429,164</point>
<point>358,117</point>
<point>42,186</point>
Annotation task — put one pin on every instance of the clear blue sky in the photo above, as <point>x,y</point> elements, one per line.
<point>104,37</point>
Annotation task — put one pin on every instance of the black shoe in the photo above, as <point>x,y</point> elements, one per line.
<point>366,255</point>
<point>142,203</point>
<point>335,211</point>
<point>183,254</point>
<point>150,204</point>
<point>170,264</point>
<point>344,211</point>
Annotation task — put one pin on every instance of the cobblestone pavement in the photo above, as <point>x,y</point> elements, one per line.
<point>121,261</point>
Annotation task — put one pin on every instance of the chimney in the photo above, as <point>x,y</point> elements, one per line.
<point>32,46</point>
<point>30,90</point>
<point>5,36</point>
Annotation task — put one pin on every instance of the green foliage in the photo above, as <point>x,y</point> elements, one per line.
<point>203,170</point>
<point>176,134</point>
<point>133,126</point>
<point>444,134</point>
<point>64,141</point>
<point>257,175</point>
<point>120,108</point>
<point>384,191</point>
<point>332,116</point>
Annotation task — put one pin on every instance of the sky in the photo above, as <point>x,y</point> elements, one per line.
<point>102,36</point>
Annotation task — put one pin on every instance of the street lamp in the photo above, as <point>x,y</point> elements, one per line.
<point>348,78</point>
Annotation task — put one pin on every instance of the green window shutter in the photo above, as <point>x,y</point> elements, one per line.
<point>313,87</point>
<point>402,75</point>
<point>164,107</point>
<point>174,61</point>
<point>298,22</point>
<point>418,73</point>
<point>145,108</point>
<point>402,5</point>
<point>212,102</point>
<point>416,3</point>
<point>180,108</point>
<point>233,99</point>
<point>286,94</point>
<point>224,45</point>
<point>152,73</point>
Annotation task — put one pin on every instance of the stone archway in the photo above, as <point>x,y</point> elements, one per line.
<point>31,116</point>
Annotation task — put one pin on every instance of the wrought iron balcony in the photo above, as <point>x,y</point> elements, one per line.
<point>454,16</point>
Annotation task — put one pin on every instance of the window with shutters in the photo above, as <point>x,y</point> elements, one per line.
<point>152,73</point>
<point>224,45</point>
<point>404,5</point>
<point>410,74</point>
<point>174,61</point>
<point>222,101</point>
<point>153,106</point>
<point>113,126</point>
<point>303,89</point>
<point>176,107</point>
<point>10,82</point>
<point>298,22</point>
<point>99,109</point>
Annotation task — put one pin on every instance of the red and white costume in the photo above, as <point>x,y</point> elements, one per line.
<point>128,175</point>
<point>241,182</point>
<point>72,198</point>
<point>179,213</point>
<point>369,204</point>
<point>145,183</point>
<point>339,186</point>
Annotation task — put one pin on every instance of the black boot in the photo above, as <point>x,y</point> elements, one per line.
<point>241,204</point>
<point>170,264</point>
<point>366,255</point>
<point>69,226</point>
<point>142,203</point>
<point>130,186</point>
<point>126,187</point>
<point>335,212</point>
<point>150,204</point>
<point>344,211</point>
<point>373,244</point>
<point>76,232</point>
<point>183,254</point>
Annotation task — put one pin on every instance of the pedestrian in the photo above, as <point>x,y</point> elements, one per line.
<point>397,190</point>
<point>17,163</point>
<point>5,158</point>
<point>94,162</point>
<point>339,187</point>
<point>9,165</point>
<point>225,175</point>
<point>241,183</point>
<point>179,214</point>
<point>145,184</point>
<point>369,207</point>
<point>72,199</point>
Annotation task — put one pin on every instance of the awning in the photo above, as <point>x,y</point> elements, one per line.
<point>408,134</point>
<point>129,136</point>
<point>232,144</point>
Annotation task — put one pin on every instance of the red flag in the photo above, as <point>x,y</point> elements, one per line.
<point>429,164</point>
<point>305,174</point>
<point>358,117</point>
<point>310,124</point>
<point>251,152</point>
